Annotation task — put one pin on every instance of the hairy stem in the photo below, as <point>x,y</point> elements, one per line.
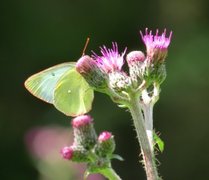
<point>148,155</point>
<point>148,119</point>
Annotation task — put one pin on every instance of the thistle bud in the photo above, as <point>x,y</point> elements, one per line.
<point>104,136</point>
<point>135,60</point>
<point>90,70</point>
<point>67,152</point>
<point>81,121</point>
<point>106,144</point>
<point>75,154</point>
<point>135,57</point>
<point>84,132</point>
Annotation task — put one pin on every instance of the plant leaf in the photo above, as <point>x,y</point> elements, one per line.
<point>116,156</point>
<point>159,142</point>
<point>42,84</point>
<point>73,96</point>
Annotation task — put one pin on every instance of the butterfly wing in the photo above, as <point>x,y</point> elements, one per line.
<point>42,84</point>
<point>73,96</point>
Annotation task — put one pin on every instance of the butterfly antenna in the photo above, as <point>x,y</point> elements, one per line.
<point>86,44</point>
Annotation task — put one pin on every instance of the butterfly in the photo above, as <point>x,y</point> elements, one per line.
<point>62,86</point>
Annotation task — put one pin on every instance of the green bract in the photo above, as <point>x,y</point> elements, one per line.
<point>159,142</point>
<point>64,87</point>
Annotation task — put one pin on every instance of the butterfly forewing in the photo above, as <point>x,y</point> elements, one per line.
<point>42,84</point>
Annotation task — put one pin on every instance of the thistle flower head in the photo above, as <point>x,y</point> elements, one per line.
<point>81,121</point>
<point>84,132</point>
<point>110,60</point>
<point>85,65</point>
<point>75,153</point>
<point>136,61</point>
<point>104,136</point>
<point>156,45</point>
<point>92,73</point>
<point>106,144</point>
<point>134,57</point>
<point>67,152</point>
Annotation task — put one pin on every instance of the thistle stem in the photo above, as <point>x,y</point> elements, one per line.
<point>148,155</point>
<point>148,119</point>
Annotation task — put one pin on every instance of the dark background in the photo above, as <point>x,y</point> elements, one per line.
<point>38,34</point>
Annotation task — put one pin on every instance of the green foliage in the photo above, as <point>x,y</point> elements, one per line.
<point>159,142</point>
<point>116,156</point>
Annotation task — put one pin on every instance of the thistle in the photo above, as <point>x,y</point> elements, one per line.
<point>67,152</point>
<point>135,60</point>
<point>137,90</point>
<point>84,132</point>
<point>156,45</point>
<point>97,152</point>
<point>110,60</point>
<point>106,144</point>
<point>92,72</point>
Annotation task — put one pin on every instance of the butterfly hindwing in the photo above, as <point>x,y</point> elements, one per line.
<point>73,96</point>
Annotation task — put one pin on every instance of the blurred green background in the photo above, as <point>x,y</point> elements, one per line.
<point>38,34</point>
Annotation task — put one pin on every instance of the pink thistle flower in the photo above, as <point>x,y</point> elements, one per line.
<point>85,65</point>
<point>81,121</point>
<point>92,73</point>
<point>106,143</point>
<point>104,136</point>
<point>156,45</point>
<point>110,60</point>
<point>67,152</point>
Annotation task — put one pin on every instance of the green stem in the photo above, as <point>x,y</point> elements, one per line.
<point>148,155</point>
<point>148,119</point>
<point>147,105</point>
<point>110,174</point>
